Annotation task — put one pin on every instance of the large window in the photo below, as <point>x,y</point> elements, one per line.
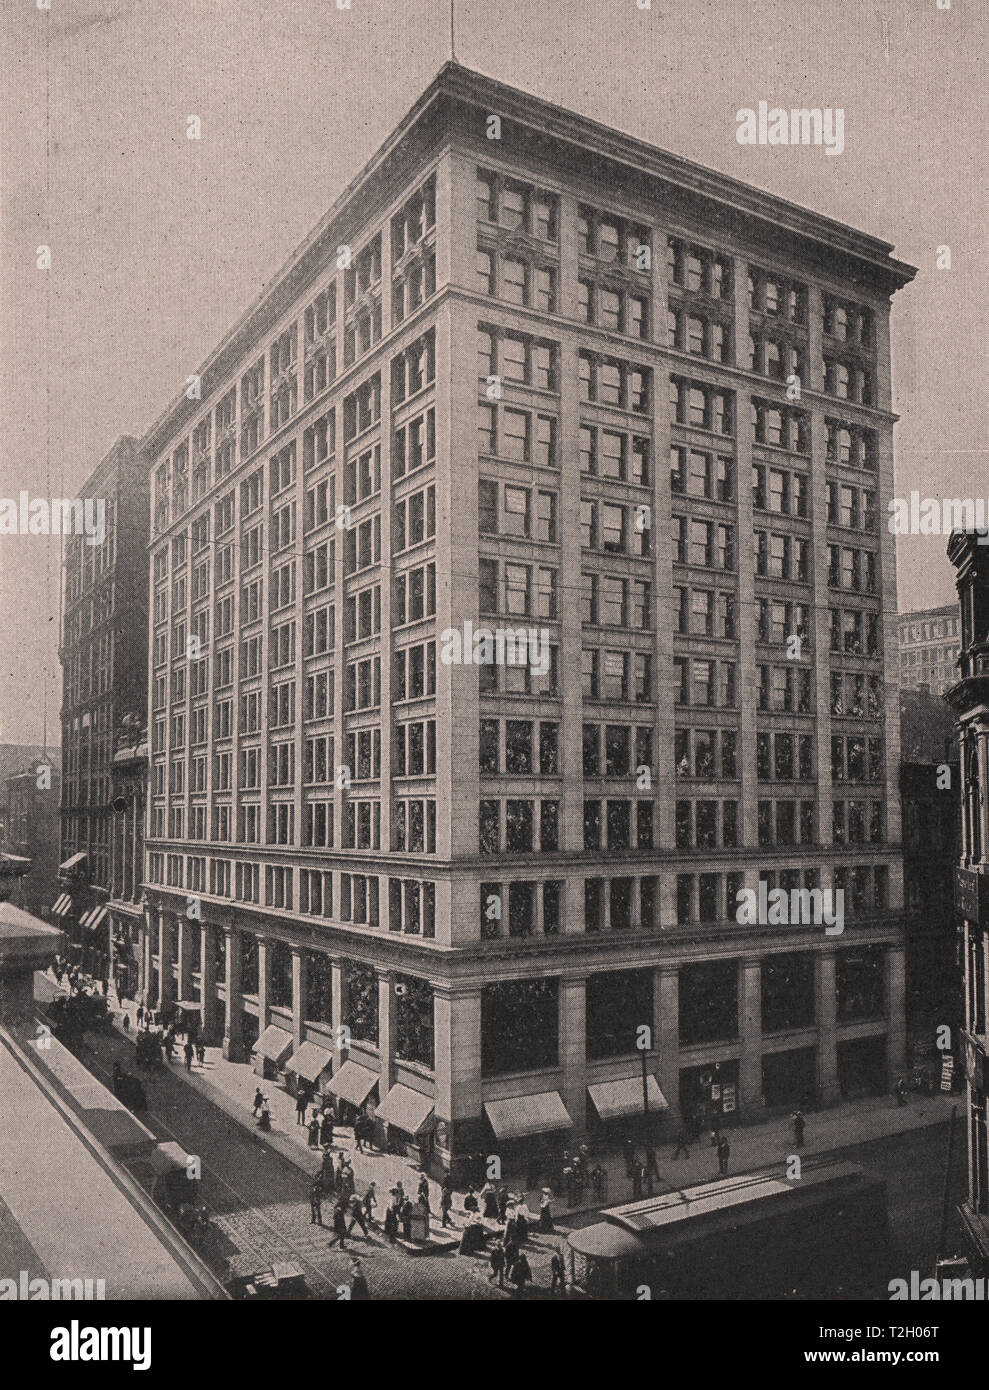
<point>519,1026</point>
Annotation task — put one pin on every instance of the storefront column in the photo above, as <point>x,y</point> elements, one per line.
<point>264,984</point>
<point>233,1043</point>
<point>457,1045</point>
<point>186,929</point>
<point>387,1031</point>
<point>983,809</point>
<point>164,961</point>
<point>896,1023</point>
<point>338,1012</point>
<point>750,1034</point>
<point>209,1004</point>
<point>666,1036</point>
<point>827,1031</point>
<point>573,1049</point>
<point>299,991</point>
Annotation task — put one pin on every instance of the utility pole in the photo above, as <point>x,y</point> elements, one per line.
<point>453,51</point>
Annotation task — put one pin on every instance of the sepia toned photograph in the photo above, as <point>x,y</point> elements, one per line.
<point>494,718</point>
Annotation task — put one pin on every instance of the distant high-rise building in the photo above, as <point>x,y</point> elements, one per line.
<point>929,648</point>
<point>557,381</point>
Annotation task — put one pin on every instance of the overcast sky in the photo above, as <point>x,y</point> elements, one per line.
<point>159,242</point>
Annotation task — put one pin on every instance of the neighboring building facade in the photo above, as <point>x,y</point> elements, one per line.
<point>104,680</point>
<point>930,776</point>
<point>544,384</point>
<point>32,830</point>
<point>929,648</point>
<point>970,701</point>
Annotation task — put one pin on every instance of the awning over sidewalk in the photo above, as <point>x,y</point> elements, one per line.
<point>275,1044</point>
<point>309,1061</point>
<point>94,917</point>
<point>74,861</point>
<point>62,904</point>
<point>407,1109</point>
<point>613,1099</point>
<point>524,1115</point>
<point>354,1083</point>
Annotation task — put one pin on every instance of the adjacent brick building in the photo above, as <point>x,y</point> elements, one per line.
<point>104,688</point>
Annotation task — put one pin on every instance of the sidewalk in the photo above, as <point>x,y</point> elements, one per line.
<point>231,1086</point>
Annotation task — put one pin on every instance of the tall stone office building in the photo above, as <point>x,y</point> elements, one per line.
<point>104,688</point>
<point>530,372</point>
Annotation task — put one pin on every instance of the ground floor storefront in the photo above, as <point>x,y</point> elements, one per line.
<point>522,1069</point>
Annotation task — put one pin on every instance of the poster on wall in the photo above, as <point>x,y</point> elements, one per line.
<point>728,1098</point>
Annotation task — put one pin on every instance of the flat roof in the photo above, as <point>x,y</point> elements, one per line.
<point>48,1160</point>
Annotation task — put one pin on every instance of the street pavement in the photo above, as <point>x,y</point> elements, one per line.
<point>256,1184</point>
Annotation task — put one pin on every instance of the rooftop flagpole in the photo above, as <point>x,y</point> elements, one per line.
<point>453,51</point>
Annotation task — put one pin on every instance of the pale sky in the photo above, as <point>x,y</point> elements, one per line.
<point>159,242</point>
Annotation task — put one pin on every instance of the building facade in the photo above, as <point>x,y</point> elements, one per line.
<point>529,373</point>
<point>930,645</point>
<point>930,775</point>
<point>970,700</point>
<point>104,689</point>
<point>32,829</point>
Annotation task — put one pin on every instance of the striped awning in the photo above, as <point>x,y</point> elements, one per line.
<point>406,1109</point>
<point>96,917</point>
<point>353,1082</point>
<point>274,1043</point>
<point>613,1099</point>
<point>525,1115</point>
<point>62,904</point>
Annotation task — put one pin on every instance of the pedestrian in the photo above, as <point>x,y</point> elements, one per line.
<point>637,1171</point>
<point>799,1124</point>
<point>358,1283</point>
<point>406,1215</point>
<point>511,1253</point>
<point>545,1215</point>
<point>446,1202</point>
<point>470,1202</point>
<point>489,1202</point>
<point>520,1274</point>
<point>356,1208</point>
<point>521,1225</point>
<point>424,1191</point>
<point>558,1272</point>
<point>652,1167</point>
<point>901,1092</point>
<point>724,1153</point>
<point>264,1118</point>
<point>189,1053</point>
<point>314,1133</point>
<point>326,1129</point>
<point>140,1014</point>
<point>316,1202</point>
<point>497,1262</point>
<point>503,1204</point>
<point>339,1225</point>
<point>327,1177</point>
<point>370,1202</point>
<point>201,1053</point>
<point>347,1183</point>
<point>258,1101</point>
<point>683,1142</point>
<point>391,1225</point>
<point>300,1108</point>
